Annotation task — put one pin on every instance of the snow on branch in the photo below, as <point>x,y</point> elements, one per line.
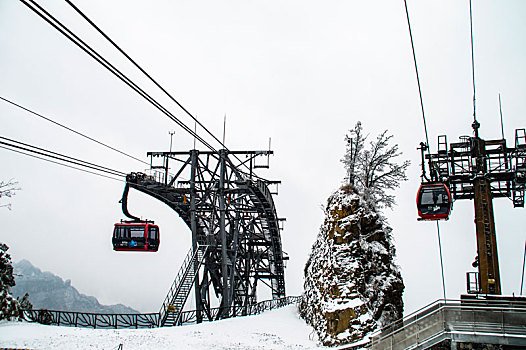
<point>8,189</point>
<point>374,170</point>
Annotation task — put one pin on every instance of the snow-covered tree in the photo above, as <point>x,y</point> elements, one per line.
<point>8,189</point>
<point>374,170</point>
<point>9,306</point>
<point>353,155</point>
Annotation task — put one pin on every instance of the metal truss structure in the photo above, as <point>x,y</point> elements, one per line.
<point>236,242</point>
<point>504,167</point>
<point>482,170</point>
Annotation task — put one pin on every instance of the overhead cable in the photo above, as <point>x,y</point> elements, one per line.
<point>441,262</point>
<point>66,165</point>
<point>72,130</point>
<point>417,75</point>
<point>142,70</point>
<point>41,12</point>
<point>475,123</point>
<point>58,156</point>
<point>197,122</point>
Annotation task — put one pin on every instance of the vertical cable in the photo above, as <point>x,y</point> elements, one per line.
<point>475,123</point>
<point>501,121</point>
<point>523,263</point>
<point>416,70</point>
<point>441,262</point>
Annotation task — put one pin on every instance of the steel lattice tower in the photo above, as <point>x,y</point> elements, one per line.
<point>236,242</point>
<point>481,170</point>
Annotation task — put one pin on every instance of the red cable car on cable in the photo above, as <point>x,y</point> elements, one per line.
<point>136,236</point>
<point>433,201</point>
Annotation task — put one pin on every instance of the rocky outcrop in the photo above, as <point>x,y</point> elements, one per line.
<point>352,285</point>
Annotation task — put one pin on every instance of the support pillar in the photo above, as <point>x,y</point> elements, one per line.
<point>489,275</point>
<point>193,225</point>
<point>226,301</point>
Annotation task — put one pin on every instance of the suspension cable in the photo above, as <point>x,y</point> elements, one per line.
<point>427,139</point>
<point>58,156</point>
<point>72,130</point>
<point>417,75</point>
<point>101,32</point>
<point>523,266</point>
<point>41,12</point>
<point>441,262</point>
<point>142,70</point>
<point>55,23</point>
<point>475,123</point>
<point>55,162</point>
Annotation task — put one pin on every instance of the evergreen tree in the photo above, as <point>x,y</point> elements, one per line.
<point>9,306</point>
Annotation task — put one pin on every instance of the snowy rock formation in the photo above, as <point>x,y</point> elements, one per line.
<point>352,285</point>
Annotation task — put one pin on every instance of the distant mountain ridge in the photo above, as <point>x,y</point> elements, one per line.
<point>48,291</point>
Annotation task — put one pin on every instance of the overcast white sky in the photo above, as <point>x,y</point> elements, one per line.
<point>300,72</point>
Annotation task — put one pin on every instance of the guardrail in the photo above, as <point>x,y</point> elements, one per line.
<point>468,320</point>
<point>189,317</point>
<point>91,320</point>
<point>148,320</point>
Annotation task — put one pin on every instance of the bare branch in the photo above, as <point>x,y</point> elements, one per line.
<point>374,170</point>
<point>8,189</point>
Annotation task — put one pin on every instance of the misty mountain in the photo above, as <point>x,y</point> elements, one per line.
<point>48,291</point>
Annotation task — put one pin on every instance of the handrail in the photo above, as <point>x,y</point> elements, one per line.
<point>180,276</point>
<point>147,320</point>
<point>443,304</point>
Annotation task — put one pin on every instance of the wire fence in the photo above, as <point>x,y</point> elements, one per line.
<point>148,320</point>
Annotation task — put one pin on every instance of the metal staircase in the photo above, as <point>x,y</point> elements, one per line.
<point>175,299</point>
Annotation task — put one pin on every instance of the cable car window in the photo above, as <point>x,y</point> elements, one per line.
<point>431,197</point>
<point>136,232</point>
<point>118,232</point>
<point>154,232</point>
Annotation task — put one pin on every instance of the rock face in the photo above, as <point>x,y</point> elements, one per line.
<point>48,291</point>
<point>352,285</point>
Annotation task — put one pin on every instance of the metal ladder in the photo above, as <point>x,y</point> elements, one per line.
<point>182,285</point>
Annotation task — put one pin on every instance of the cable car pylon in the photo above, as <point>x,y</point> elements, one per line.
<point>480,170</point>
<point>236,233</point>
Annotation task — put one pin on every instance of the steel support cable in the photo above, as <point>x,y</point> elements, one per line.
<point>472,64</point>
<point>142,70</point>
<point>43,152</point>
<point>72,130</point>
<point>441,262</point>
<point>417,75</point>
<point>66,165</point>
<point>523,266</point>
<point>101,32</point>
<point>41,12</point>
<point>427,139</point>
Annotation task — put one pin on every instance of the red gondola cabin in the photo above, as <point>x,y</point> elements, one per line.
<point>433,201</point>
<point>136,236</point>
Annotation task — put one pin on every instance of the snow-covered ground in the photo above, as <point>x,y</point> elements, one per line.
<point>276,329</point>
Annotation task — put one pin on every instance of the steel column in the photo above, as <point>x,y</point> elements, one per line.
<point>489,276</point>
<point>193,225</point>
<point>226,300</point>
